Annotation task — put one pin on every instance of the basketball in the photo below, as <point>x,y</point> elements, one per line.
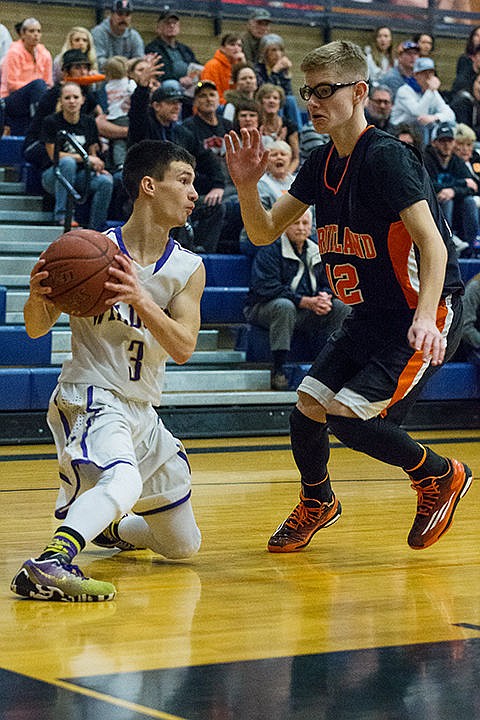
<point>77,264</point>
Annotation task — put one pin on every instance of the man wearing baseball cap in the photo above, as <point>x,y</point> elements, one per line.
<point>258,25</point>
<point>179,61</point>
<point>75,64</point>
<point>424,107</point>
<point>402,72</point>
<point>454,185</point>
<point>156,117</point>
<point>115,36</point>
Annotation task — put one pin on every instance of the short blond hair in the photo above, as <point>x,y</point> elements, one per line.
<point>345,58</point>
<point>116,67</point>
<point>464,134</point>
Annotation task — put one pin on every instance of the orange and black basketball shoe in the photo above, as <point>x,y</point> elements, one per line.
<point>304,521</point>
<point>437,500</point>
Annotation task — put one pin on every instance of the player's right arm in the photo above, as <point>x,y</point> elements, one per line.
<point>247,162</point>
<point>40,313</point>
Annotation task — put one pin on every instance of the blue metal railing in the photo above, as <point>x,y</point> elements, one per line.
<point>73,196</point>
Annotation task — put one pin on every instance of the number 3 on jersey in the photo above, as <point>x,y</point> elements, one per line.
<point>344,283</point>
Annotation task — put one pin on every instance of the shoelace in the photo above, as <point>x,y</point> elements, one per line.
<point>427,497</point>
<point>303,515</point>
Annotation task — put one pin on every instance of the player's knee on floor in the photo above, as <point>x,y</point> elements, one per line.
<point>177,548</point>
<point>174,532</point>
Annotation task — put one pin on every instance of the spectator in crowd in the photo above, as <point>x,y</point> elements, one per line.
<point>219,68</point>
<point>118,88</point>
<point>465,78</point>
<point>78,38</point>
<point>84,129</point>
<point>402,71</point>
<point>247,115</point>
<point>155,117</point>
<point>179,60</point>
<point>136,66</point>
<point>424,107</point>
<point>258,25</point>
<point>5,41</point>
<point>289,293</point>
<point>378,110</point>
<point>309,139</point>
<point>464,73</point>
<point>75,64</point>
<point>115,36</point>
<point>379,54</point>
<point>464,147</point>
<point>425,42</point>
<point>466,106</point>
<point>26,74</point>
<point>454,186</point>
<point>244,85</point>
<point>471,319</point>
<point>275,67</point>
<point>209,128</point>
<point>274,182</point>
<point>273,126</point>
<point>409,135</point>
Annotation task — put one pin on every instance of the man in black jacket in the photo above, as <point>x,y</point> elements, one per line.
<point>155,117</point>
<point>289,292</point>
<point>453,184</point>
<point>179,61</point>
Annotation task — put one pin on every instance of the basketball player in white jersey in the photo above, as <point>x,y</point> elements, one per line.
<point>124,479</point>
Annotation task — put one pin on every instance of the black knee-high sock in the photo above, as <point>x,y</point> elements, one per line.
<point>311,450</point>
<point>382,439</point>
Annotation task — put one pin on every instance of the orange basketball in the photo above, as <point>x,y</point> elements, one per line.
<point>77,264</point>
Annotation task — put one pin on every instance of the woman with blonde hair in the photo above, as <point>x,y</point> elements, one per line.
<point>273,126</point>
<point>78,38</point>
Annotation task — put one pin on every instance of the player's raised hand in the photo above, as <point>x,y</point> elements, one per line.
<point>246,157</point>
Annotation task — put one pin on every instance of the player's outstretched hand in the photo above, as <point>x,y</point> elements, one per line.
<point>246,157</point>
<point>425,337</point>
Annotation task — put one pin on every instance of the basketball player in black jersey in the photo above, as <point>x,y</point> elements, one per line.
<point>388,253</point>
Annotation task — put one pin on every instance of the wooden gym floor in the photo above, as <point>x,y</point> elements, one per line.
<point>355,627</point>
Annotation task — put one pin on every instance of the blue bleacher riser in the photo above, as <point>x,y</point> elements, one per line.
<point>15,389</point>
<point>42,383</point>
<point>11,150</point>
<point>223,305</point>
<point>227,270</point>
<point>17,348</point>
<point>469,268</point>
<point>454,381</point>
<point>254,341</point>
<point>3,305</point>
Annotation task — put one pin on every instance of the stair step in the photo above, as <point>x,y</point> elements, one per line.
<point>28,203</point>
<point>26,216</point>
<point>26,234</point>
<point>203,381</point>
<point>259,397</point>
<point>11,188</point>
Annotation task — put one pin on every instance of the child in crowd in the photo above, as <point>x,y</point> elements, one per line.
<point>119,88</point>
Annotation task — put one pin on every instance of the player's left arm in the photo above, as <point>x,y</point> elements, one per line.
<point>176,331</point>
<point>424,334</point>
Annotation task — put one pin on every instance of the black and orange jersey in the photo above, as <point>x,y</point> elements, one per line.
<point>370,259</point>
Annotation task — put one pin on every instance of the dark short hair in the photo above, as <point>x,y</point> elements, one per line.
<point>151,157</point>
<point>230,37</point>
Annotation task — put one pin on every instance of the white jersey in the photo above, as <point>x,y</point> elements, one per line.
<point>115,350</point>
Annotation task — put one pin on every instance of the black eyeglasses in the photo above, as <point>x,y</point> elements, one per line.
<point>322,91</point>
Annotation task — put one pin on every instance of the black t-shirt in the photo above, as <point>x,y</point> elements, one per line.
<point>47,105</point>
<point>369,257</point>
<point>85,131</point>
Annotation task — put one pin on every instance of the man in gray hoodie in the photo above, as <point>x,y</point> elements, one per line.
<point>115,36</point>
